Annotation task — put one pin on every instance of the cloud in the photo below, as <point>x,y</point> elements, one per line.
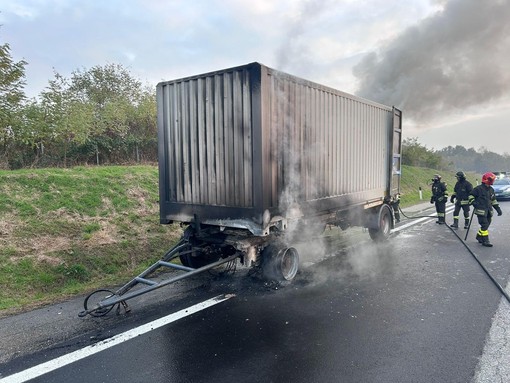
<point>20,10</point>
<point>449,62</point>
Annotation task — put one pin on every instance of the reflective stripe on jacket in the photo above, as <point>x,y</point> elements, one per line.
<point>439,191</point>
<point>483,199</point>
<point>462,190</point>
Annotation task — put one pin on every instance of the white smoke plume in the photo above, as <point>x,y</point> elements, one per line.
<point>293,51</point>
<point>451,61</point>
<point>349,255</point>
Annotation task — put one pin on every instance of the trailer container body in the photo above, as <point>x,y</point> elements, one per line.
<point>252,160</point>
<point>254,148</point>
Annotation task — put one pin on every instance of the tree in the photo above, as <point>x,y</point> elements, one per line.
<point>102,84</point>
<point>480,161</point>
<point>68,118</point>
<point>102,114</point>
<point>415,154</point>
<point>12,83</point>
<point>115,96</point>
<point>142,125</point>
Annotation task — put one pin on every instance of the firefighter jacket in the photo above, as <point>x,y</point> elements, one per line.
<point>484,200</point>
<point>461,192</point>
<point>439,193</point>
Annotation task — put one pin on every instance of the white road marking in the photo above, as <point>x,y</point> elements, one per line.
<point>419,220</point>
<point>409,224</point>
<point>72,357</point>
<point>494,365</point>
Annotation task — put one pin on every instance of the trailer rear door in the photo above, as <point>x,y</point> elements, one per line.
<point>396,165</point>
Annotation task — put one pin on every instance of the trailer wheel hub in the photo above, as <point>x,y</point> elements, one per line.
<point>281,263</point>
<point>288,263</point>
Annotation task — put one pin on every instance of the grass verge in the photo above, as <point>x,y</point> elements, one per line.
<point>68,231</point>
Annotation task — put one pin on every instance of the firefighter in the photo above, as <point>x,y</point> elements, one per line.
<point>461,192</point>
<point>396,208</point>
<point>440,197</point>
<point>484,201</point>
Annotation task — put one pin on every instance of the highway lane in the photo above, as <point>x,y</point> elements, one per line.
<point>417,309</point>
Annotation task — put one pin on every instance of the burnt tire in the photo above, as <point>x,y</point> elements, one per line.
<point>384,224</point>
<point>195,260</point>
<point>281,263</point>
<point>189,258</point>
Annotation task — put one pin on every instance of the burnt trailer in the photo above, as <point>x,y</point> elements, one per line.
<point>252,158</point>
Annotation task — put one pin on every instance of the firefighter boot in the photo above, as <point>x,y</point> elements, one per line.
<point>479,238</point>
<point>455,224</point>
<point>486,241</point>
<point>466,224</point>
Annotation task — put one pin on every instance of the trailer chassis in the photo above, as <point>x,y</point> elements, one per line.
<point>205,247</point>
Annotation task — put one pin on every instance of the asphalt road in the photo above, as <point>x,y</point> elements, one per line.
<point>417,309</point>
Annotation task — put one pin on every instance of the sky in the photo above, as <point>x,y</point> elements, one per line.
<point>444,63</point>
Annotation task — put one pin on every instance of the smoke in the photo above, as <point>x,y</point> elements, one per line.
<point>349,255</point>
<point>301,224</point>
<point>293,49</point>
<point>451,61</point>
<point>371,260</point>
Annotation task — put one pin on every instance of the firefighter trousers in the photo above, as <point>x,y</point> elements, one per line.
<point>440,210</point>
<point>457,209</point>
<point>484,221</point>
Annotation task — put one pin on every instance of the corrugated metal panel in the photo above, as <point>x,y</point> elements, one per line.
<point>207,134</point>
<point>324,143</point>
<point>236,142</point>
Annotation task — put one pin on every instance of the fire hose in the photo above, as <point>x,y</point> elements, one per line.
<point>498,285</point>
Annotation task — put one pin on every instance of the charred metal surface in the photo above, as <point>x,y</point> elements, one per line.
<point>240,143</point>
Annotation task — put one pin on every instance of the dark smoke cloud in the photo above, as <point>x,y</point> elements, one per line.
<point>453,60</point>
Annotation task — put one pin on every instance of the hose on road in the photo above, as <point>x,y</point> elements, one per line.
<point>503,291</point>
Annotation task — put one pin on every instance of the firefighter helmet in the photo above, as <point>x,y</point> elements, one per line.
<point>436,178</point>
<point>488,178</point>
<point>460,175</point>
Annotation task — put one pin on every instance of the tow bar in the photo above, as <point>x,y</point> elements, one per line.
<point>108,299</point>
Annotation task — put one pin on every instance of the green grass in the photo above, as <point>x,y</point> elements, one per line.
<point>414,178</point>
<point>80,190</point>
<point>69,231</point>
